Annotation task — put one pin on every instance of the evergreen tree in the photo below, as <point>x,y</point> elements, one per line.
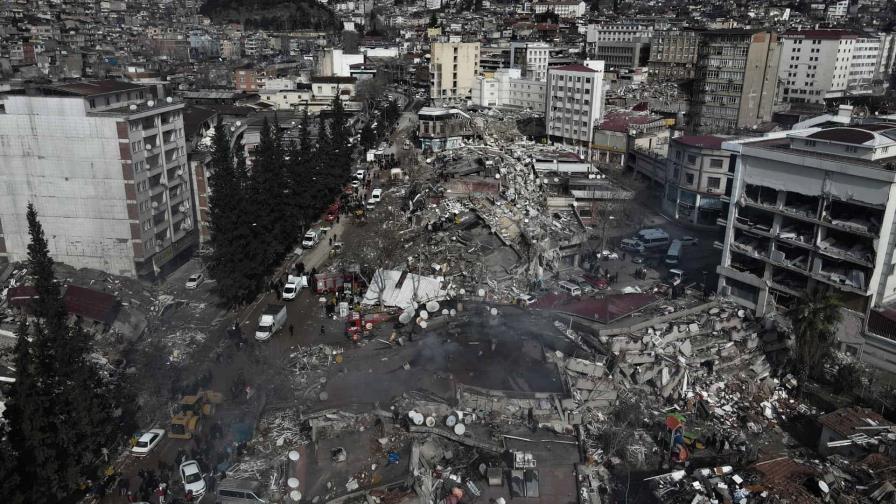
<point>368,136</point>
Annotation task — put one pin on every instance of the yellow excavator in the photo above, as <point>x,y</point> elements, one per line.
<point>191,410</point>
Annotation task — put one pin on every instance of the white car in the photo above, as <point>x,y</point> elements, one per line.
<point>359,174</point>
<point>310,240</point>
<point>609,255</point>
<point>195,281</point>
<point>376,194</point>
<point>192,478</point>
<point>290,290</point>
<point>688,240</point>
<point>147,442</point>
<point>371,204</point>
<point>356,184</point>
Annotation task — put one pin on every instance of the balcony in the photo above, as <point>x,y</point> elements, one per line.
<point>793,258</point>
<point>857,219</point>
<point>842,274</point>
<point>842,245</point>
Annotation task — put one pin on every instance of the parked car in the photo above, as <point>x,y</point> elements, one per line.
<point>609,255</point>
<point>376,194</point>
<point>290,290</point>
<point>149,440</point>
<point>688,240</point>
<point>359,175</point>
<point>525,299</point>
<point>192,477</point>
<point>356,184</point>
<point>638,259</point>
<point>371,203</point>
<point>195,281</point>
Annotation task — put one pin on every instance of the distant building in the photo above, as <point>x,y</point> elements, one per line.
<point>619,45</point>
<point>574,103</point>
<point>699,174</point>
<point>673,55</point>
<point>452,68</point>
<point>248,78</point>
<point>505,88</point>
<point>562,8</point>
<point>736,80</point>
<point>336,63</point>
<point>442,128</point>
<point>106,167</point>
<point>619,132</point>
<point>531,58</point>
<point>816,64</point>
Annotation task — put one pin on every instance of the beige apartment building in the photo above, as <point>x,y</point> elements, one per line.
<point>452,68</point>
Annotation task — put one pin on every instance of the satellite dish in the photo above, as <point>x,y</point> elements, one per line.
<point>150,103</point>
<point>481,292</point>
<point>133,107</point>
<point>463,291</point>
<point>169,99</point>
<point>424,314</point>
<point>293,482</point>
<point>294,456</point>
<point>493,311</point>
<point>430,422</point>
<point>451,421</point>
<point>432,306</point>
<point>405,317</point>
<point>459,429</point>
<point>423,324</point>
<point>295,496</point>
<point>453,312</point>
<point>239,123</point>
<point>445,311</point>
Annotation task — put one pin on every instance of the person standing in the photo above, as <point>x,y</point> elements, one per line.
<point>292,330</point>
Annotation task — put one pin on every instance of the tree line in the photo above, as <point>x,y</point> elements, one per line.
<point>258,213</point>
<point>63,412</point>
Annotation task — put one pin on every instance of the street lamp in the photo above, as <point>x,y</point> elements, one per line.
<point>603,236</point>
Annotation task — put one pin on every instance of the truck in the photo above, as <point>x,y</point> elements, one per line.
<point>272,319</point>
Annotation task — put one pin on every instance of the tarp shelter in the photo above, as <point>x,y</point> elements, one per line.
<point>402,289</point>
<point>90,304</point>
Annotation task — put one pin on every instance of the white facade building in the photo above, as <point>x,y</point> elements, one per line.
<point>563,8</point>
<point>531,58</point>
<point>574,103</point>
<point>336,63</point>
<point>106,168</point>
<point>507,89</point>
<point>452,68</point>
<point>816,64</point>
<point>863,68</point>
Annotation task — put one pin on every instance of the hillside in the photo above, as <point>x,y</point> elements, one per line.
<point>276,15</point>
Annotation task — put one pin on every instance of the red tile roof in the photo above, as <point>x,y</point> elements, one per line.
<point>90,304</point>
<point>846,421</point>
<point>21,296</point>
<point>784,479</point>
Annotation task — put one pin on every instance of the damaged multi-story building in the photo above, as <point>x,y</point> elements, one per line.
<point>814,209</point>
<point>105,164</point>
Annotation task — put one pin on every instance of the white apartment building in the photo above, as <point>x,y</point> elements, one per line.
<point>106,168</point>
<point>531,58</point>
<point>816,64</point>
<point>863,69</point>
<point>574,104</point>
<point>812,209</point>
<point>336,63</point>
<point>563,8</point>
<point>452,68</point>
<point>505,88</point>
<point>617,32</point>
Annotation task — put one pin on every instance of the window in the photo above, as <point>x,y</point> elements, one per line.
<point>714,182</point>
<point>810,143</point>
<point>678,155</point>
<point>675,174</point>
<point>92,103</point>
<point>852,148</point>
<point>692,159</point>
<point>715,163</point>
<point>689,178</point>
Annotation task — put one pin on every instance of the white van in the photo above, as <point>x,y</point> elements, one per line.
<point>653,238</point>
<point>240,491</point>
<point>632,245</point>
<point>375,195</point>
<point>674,253</point>
<point>310,240</point>
<point>570,288</point>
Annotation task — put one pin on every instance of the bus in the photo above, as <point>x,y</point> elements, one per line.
<point>674,252</point>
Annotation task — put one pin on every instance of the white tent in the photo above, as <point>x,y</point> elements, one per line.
<point>402,289</point>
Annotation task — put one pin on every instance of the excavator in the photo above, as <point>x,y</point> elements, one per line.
<point>192,408</point>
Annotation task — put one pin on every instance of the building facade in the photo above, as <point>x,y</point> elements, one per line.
<point>531,58</point>
<point>574,104</point>
<point>505,88</point>
<point>106,168</point>
<point>442,128</point>
<point>735,81</point>
<point>673,55</point>
<point>452,69</point>
<point>562,8</point>
<point>812,209</point>
<point>815,64</point>
<point>619,45</point>
<point>698,175</point>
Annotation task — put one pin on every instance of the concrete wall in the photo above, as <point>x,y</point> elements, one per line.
<point>69,165</point>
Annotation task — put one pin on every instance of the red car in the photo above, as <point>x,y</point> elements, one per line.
<point>599,283</point>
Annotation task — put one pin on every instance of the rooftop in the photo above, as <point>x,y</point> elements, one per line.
<point>94,88</point>
<point>701,141</point>
<point>847,421</point>
<point>621,121</point>
<point>869,135</point>
<point>575,67</point>
<point>819,34</point>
